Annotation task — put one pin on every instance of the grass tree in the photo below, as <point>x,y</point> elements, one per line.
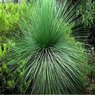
<point>49,59</point>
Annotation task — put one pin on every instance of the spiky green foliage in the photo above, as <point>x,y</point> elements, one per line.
<point>53,60</point>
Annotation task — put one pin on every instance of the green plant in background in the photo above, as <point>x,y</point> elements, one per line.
<point>4,49</point>
<point>2,52</point>
<point>9,16</point>
<point>5,76</point>
<point>6,79</point>
<point>51,61</point>
<point>86,8</point>
<point>7,82</point>
<point>86,34</point>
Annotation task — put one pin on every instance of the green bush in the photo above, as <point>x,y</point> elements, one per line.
<point>85,32</point>
<point>48,59</point>
<point>9,17</point>
<point>86,9</point>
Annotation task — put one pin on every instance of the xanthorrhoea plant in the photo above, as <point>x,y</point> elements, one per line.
<point>53,60</point>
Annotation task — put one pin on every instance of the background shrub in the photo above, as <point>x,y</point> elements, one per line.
<point>9,17</point>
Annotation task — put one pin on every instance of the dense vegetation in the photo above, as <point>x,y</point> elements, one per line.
<point>47,47</point>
